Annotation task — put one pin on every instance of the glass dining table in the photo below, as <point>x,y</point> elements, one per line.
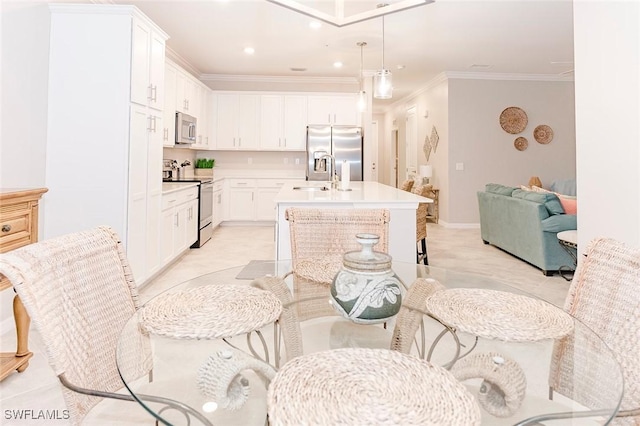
<point>216,343</point>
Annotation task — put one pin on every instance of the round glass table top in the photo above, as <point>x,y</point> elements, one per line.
<point>216,343</point>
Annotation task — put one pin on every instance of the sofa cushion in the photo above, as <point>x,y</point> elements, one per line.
<point>559,223</point>
<point>496,188</point>
<point>549,199</point>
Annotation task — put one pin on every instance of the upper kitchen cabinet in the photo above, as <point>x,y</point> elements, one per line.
<point>283,121</point>
<point>185,90</point>
<point>333,109</point>
<point>169,111</point>
<point>107,171</point>
<point>203,113</point>
<point>147,64</point>
<point>238,121</point>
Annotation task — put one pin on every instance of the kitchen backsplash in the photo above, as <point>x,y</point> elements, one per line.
<point>241,159</point>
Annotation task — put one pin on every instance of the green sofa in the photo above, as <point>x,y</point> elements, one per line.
<point>525,224</point>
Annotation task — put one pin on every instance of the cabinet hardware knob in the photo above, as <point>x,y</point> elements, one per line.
<point>6,228</point>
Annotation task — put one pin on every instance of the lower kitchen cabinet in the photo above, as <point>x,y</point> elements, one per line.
<point>218,204</point>
<point>179,222</point>
<point>252,199</point>
<point>241,196</point>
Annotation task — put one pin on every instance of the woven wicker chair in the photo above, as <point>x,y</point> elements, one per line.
<point>79,291</point>
<point>407,185</point>
<point>319,238</point>
<point>421,222</point>
<point>605,295</point>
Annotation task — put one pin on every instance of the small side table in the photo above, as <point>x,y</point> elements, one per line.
<point>569,241</point>
<point>433,208</point>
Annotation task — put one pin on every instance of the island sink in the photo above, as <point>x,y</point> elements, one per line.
<point>310,188</point>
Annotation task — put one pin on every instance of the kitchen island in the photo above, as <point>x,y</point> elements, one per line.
<point>402,207</point>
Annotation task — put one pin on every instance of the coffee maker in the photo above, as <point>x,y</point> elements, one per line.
<point>168,168</point>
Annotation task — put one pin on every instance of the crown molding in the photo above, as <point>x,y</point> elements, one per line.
<point>462,75</point>
<point>506,76</point>
<point>181,61</point>
<point>277,79</point>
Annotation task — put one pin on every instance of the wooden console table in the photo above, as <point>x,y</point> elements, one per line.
<point>18,227</point>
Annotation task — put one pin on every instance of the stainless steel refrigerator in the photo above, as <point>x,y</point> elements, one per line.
<point>344,143</point>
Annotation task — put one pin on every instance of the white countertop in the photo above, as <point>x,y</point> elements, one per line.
<point>361,193</point>
<point>168,187</point>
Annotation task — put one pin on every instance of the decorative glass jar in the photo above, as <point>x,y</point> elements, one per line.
<point>366,290</point>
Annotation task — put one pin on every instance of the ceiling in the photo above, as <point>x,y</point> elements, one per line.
<point>474,36</point>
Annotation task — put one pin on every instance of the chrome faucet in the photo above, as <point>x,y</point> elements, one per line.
<point>333,175</point>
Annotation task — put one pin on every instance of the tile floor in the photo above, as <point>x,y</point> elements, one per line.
<point>462,249</point>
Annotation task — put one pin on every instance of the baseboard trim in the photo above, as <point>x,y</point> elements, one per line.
<point>458,225</point>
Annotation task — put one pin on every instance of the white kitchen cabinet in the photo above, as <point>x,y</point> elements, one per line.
<point>271,122</point>
<point>108,170</point>
<point>238,119</point>
<point>283,121</point>
<point>252,199</point>
<point>218,203</point>
<point>295,123</point>
<point>333,110</point>
<point>169,111</point>
<point>179,222</point>
<point>241,196</point>
<point>203,139</point>
<point>185,88</point>
<point>147,64</point>
<point>265,207</point>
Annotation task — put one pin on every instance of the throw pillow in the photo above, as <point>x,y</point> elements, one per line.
<point>535,188</point>
<point>496,188</point>
<point>559,223</point>
<point>549,199</point>
<point>569,204</point>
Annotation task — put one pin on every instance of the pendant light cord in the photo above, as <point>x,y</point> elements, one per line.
<point>361,56</point>
<point>383,42</point>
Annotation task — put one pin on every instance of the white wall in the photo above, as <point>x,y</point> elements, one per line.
<point>24,68</point>
<point>607,61</point>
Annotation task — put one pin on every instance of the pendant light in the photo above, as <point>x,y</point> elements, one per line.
<point>383,80</point>
<point>362,95</point>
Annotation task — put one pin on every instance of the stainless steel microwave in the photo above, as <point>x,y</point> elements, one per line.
<point>185,128</point>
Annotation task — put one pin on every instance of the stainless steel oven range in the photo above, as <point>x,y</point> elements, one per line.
<point>205,207</point>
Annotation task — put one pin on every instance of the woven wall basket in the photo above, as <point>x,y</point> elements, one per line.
<point>543,134</point>
<point>513,120</point>
<point>521,143</point>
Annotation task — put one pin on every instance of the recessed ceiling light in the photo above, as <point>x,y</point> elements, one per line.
<point>249,50</point>
<point>315,25</point>
<point>337,64</point>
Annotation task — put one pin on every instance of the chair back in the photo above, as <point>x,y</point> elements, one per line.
<point>421,211</point>
<point>326,234</point>
<point>605,295</point>
<point>319,238</point>
<point>407,185</point>
<point>79,291</point>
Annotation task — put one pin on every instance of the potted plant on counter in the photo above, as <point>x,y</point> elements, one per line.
<point>204,166</point>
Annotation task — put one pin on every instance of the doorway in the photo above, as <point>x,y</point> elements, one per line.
<point>394,159</point>
<point>411,144</point>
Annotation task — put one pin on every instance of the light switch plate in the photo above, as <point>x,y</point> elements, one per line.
<point>459,166</point>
